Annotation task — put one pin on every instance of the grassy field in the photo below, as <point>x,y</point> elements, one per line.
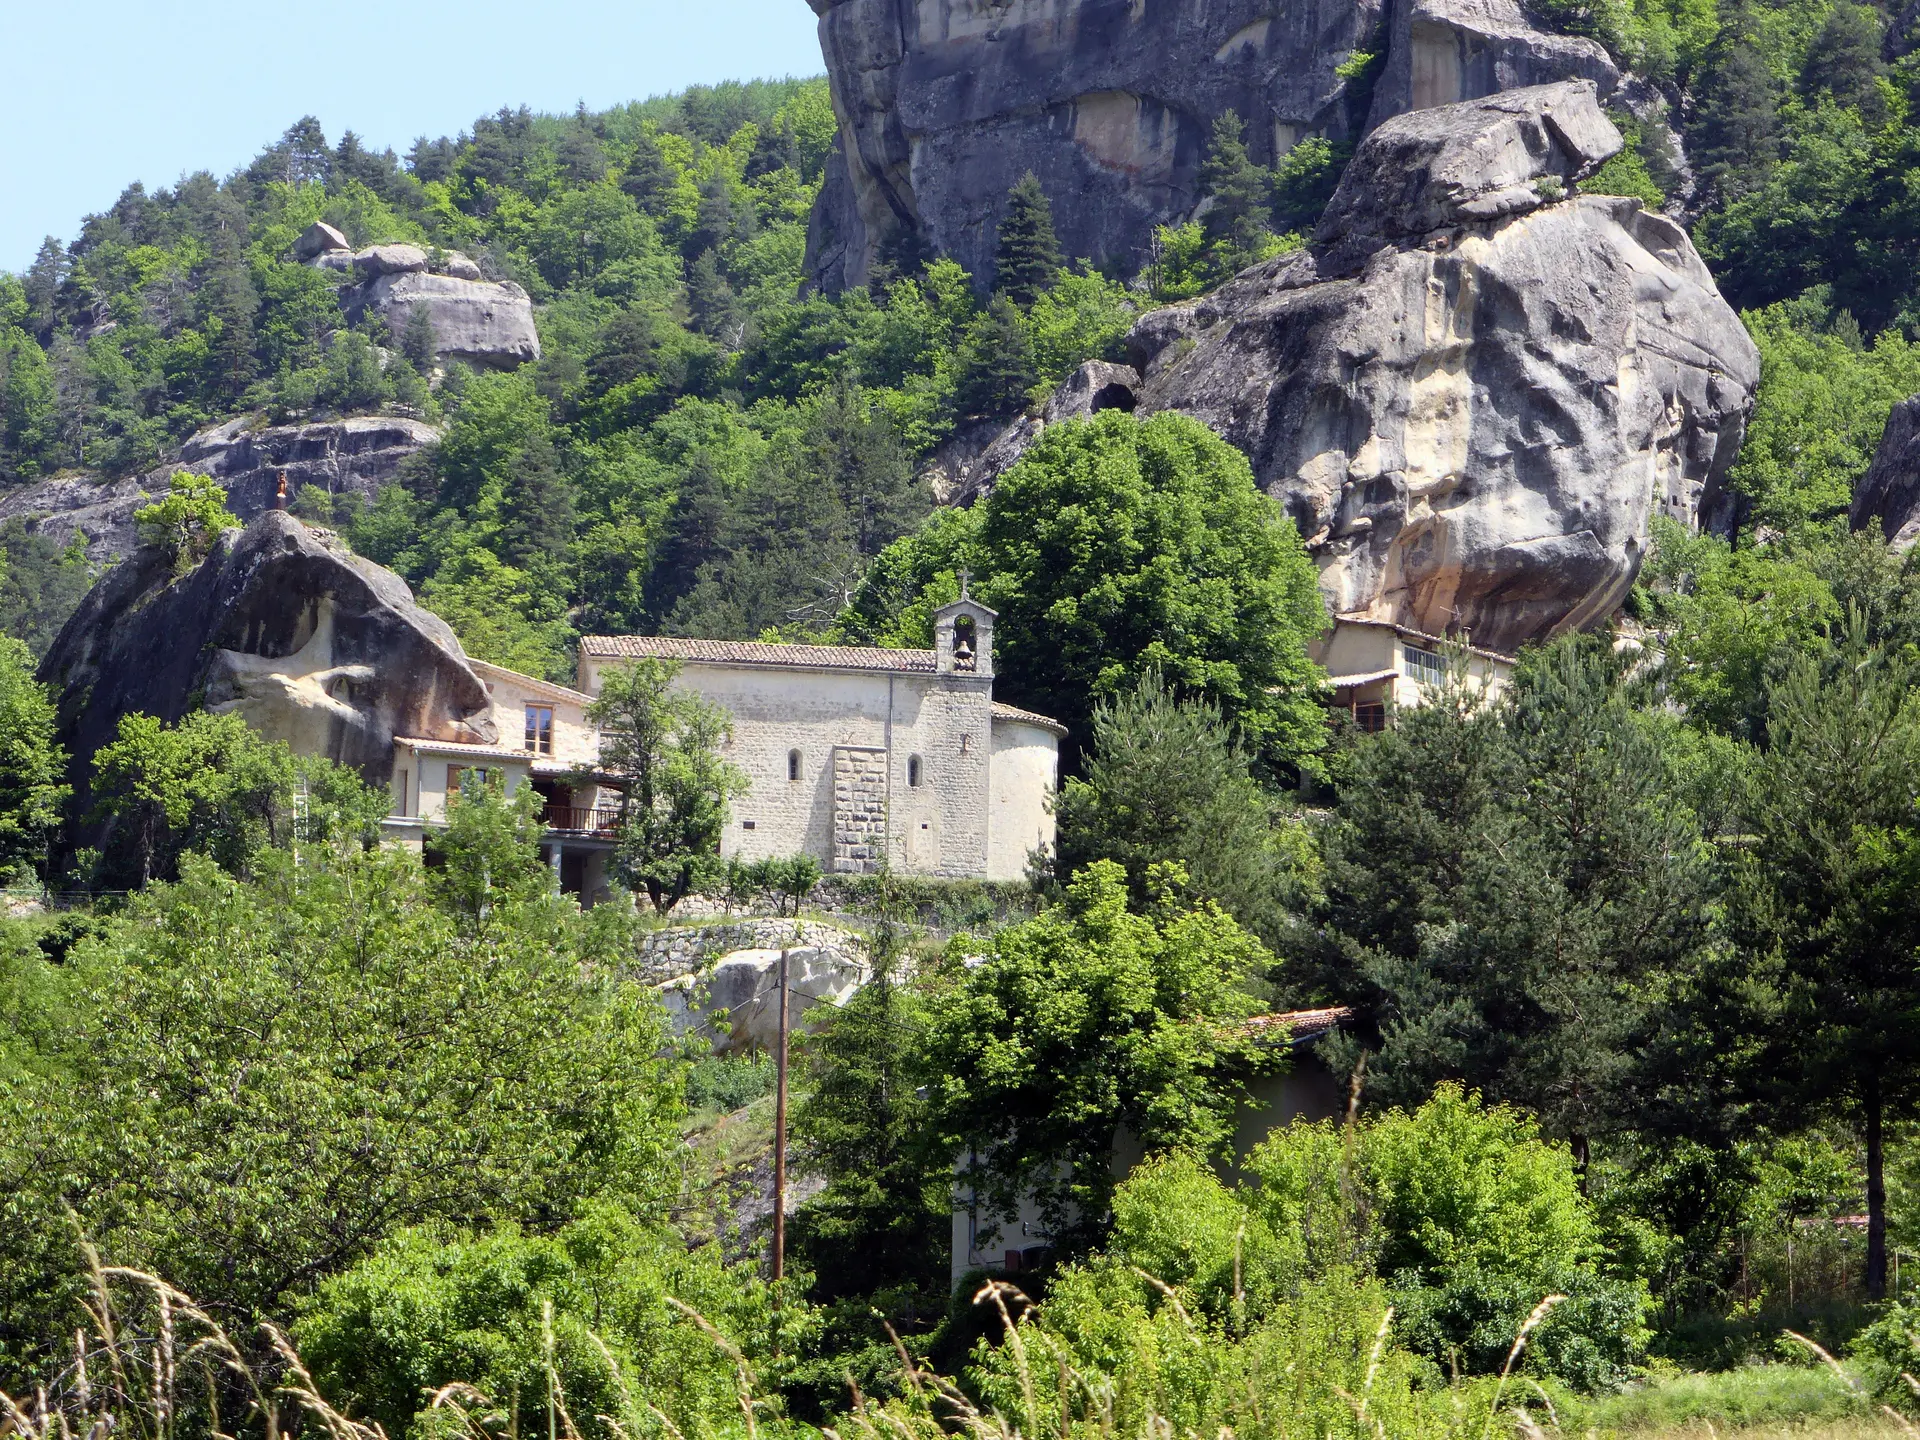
<point>1755,1402</point>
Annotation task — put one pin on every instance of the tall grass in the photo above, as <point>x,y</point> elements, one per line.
<point>148,1363</point>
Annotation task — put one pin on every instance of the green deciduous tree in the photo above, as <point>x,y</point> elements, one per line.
<point>247,1086</point>
<point>188,520</point>
<point>429,1308</point>
<point>1081,1023</point>
<point>32,766</point>
<point>1027,255</point>
<point>210,784</point>
<point>662,745</point>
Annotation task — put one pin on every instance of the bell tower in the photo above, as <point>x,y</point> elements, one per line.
<point>963,636</point>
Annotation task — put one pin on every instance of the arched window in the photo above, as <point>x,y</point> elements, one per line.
<point>793,764</point>
<point>913,771</point>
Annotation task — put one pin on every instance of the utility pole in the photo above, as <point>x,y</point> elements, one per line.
<point>780,1134</point>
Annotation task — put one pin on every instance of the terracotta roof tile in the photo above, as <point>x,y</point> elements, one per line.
<point>752,652</point>
<point>1027,717</point>
<point>1302,1024</point>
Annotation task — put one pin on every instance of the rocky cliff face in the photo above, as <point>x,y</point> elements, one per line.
<point>1470,394</point>
<point>280,623</point>
<point>944,104</point>
<point>343,457</point>
<point>1889,493</point>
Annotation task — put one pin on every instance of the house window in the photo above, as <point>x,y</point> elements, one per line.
<point>1370,716</point>
<point>401,779</point>
<point>793,764</point>
<point>463,778</point>
<point>540,729</point>
<point>913,771</point>
<point>1426,666</point>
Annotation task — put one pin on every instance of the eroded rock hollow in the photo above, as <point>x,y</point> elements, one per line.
<point>312,644</point>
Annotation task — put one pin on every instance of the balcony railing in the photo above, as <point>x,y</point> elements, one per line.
<point>582,819</point>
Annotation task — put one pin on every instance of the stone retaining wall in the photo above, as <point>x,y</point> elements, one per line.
<point>665,955</point>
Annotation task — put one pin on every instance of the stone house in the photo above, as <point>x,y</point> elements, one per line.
<point>860,757</point>
<point>1375,667</point>
<point>545,740</point>
<point>1307,1090</point>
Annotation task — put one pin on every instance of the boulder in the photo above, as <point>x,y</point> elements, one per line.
<point>319,239</point>
<point>1440,52</point>
<point>944,104</point>
<point>355,457</point>
<point>1460,164</point>
<point>1473,426</point>
<point>745,984</point>
<point>280,623</point>
<point>486,325</point>
<point>1889,493</point>
<point>378,260</point>
<point>458,266</point>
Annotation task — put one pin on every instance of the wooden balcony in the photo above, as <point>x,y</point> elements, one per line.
<point>601,820</point>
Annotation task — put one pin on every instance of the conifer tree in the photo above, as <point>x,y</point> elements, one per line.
<point>648,179</point>
<point>1027,259</point>
<point>232,304</point>
<point>1843,61</point>
<point>537,509</point>
<point>1236,223</point>
<point>1738,124</point>
<point>997,365</point>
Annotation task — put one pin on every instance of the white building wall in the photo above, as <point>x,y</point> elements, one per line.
<point>1025,762</point>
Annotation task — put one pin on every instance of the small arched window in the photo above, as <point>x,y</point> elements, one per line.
<point>793,765</point>
<point>966,652</point>
<point>913,771</point>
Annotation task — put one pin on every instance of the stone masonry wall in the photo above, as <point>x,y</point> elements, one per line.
<point>859,809</point>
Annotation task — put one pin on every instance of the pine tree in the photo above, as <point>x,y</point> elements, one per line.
<point>44,279</point>
<point>232,306</point>
<point>996,364</point>
<point>853,446</point>
<point>1843,61</point>
<point>1236,223</point>
<point>1027,259</point>
<point>715,307</point>
<point>1738,123</point>
<point>536,510</point>
<point>648,179</point>
<point>695,536</point>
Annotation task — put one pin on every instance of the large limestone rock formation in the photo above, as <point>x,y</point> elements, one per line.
<point>944,104</point>
<point>1889,493</point>
<point>1471,395</point>
<point>485,324</point>
<point>354,457</point>
<point>312,644</point>
<point>743,990</point>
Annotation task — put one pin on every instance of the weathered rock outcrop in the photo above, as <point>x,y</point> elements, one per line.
<point>312,644</point>
<point>483,323</point>
<point>1472,395</point>
<point>343,457</point>
<point>944,104</point>
<point>743,987</point>
<point>1889,492</point>
<point>1440,52</point>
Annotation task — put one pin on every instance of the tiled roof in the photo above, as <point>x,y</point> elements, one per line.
<point>1348,682</point>
<point>462,747</point>
<point>539,687</point>
<point>752,652</point>
<point>1407,632</point>
<point>1027,717</point>
<point>1302,1024</point>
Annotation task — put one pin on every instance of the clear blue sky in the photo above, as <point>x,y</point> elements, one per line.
<point>95,94</point>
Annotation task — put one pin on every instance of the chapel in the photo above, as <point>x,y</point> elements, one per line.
<point>867,758</point>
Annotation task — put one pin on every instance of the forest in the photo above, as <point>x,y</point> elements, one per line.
<point>297,1130</point>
